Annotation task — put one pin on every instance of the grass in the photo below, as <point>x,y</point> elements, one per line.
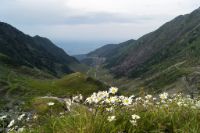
<point>161,77</point>
<point>126,85</point>
<point>40,106</point>
<point>171,115</point>
<point>22,84</point>
<point>68,85</point>
<point>166,78</point>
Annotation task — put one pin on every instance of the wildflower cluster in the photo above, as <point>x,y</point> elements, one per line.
<point>114,111</point>
<point>109,97</point>
<point>111,102</point>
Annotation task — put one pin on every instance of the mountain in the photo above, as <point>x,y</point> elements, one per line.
<point>33,67</point>
<point>110,49</point>
<point>107,52</point>
<point>80,57</point>
<point>103,51</point>
<point>176,40</point>
<point>166,58</point>
<point>35,52</point>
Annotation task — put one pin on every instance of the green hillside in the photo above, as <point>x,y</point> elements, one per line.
<point>21,84</point>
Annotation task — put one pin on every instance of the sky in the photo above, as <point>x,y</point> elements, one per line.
<point>79,26</point>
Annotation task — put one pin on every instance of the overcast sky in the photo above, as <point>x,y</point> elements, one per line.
<point>77,23</point>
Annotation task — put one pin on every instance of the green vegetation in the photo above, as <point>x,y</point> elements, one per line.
<point>23,84</point>
<point>153,120</point>
<point>165,113</point>
<point>166,78</point>
<point>41,107</point>
<point>68,85</point>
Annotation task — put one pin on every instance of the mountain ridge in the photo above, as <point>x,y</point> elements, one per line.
<point>149,44</point>
<point>151,61</point>
<point>154,43</point>
<point>34,51</point>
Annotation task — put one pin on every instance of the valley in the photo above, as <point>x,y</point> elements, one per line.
<point>156,62</point>
<point>151,84</point>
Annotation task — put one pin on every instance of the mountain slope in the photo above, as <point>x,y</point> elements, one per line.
<point>102,51</point>
<point>171,40</point>
<point>166,59</point>
<point>33,51</point>
<point>107,53</point>
<point>22,84</point>
<point>110,49</point>
<point>30,67</point>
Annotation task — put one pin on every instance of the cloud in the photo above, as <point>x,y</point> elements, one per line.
<point>46,12</point>
<point>92,19</point>
<point>137,7</point>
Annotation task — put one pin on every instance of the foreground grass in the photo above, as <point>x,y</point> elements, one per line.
<point>81,120</point>
<point>105,112</point>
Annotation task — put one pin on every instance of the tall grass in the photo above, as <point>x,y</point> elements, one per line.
<point>105,112</point>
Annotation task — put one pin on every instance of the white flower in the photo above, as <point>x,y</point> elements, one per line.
<point>163,96</point>
<point>11,123</point>
<point>75,99</point>
<point>113,90</point>
<point>61,113</point>
<point>51,103</point>
<point>3,117</point>
<point>121,97</point>
<point>179,103</point>
<point>170,100</point>
<point>132,96</point>
<point>103,94</point>
<point>157,103</point>
<point>109,109</point>
<point>133,122</point>
<point>68,103</point>
<point>113,99</point>
<point>138,99</point>
<point>89,100</point>
<point>107,100</point>
<point>81,97</point>
<point>148,97</point>
<point>93,98</point>
<point>21,117</point>
<point>35,117</point>
<point>135,117</point>
<point>147,102</point>
<point>154,99</point>
<point>126,101</point>
<point>163,101</point>
<point>27,119</point>
<point>111,118</point>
